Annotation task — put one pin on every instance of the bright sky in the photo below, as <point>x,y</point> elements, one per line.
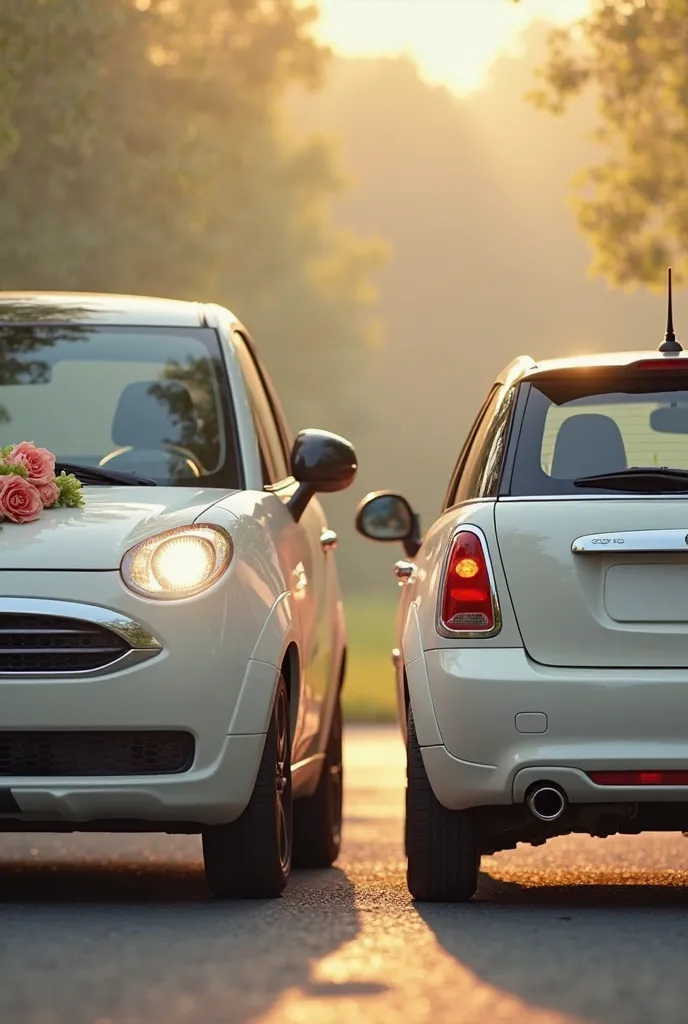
<point>453,41</point>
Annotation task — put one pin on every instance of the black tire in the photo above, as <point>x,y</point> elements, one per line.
<point>318,818</point>
<point>251,857</point>
<point>441,845</point>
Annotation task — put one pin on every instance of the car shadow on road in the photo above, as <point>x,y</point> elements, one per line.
<point>606,954</point>
<point>100,884</point>
<point>168,944</point>
<point>581,896</point>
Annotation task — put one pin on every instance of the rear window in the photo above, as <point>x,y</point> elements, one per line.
<point>589,426</point>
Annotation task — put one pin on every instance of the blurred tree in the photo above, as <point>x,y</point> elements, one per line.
<point>141,150</point>
<point>632,206</point>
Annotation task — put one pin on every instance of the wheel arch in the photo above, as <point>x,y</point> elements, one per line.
<point>291,671</point>
<point>406,698</point>
<point>414,692</point>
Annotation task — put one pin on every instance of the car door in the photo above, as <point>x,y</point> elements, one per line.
<point>302,551</point>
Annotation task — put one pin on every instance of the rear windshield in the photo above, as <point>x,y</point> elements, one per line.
<point>584,427</point>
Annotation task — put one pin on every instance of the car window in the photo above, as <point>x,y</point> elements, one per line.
<point>471,461</point>
<point>277,411</point>
<point>585,427</point>
<point>153,401</point>
<point>271,442</point>
<point>489,468</point>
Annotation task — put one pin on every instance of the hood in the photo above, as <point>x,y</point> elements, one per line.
<point>98,535</point>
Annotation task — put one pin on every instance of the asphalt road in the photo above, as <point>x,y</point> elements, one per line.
<point>108,930</point>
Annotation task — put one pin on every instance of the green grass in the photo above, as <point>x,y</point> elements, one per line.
<point>369,694</point>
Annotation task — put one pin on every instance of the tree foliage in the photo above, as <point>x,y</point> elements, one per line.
<point>633,204</point>
<point>141,150</point>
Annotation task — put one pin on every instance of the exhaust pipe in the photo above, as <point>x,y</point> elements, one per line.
<point>547,803</point>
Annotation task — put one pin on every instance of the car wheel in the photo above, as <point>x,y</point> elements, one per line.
<point>441,845</point>
<point>251,857</point>
<point>318,818</point>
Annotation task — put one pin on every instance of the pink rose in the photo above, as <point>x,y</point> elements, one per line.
<point>49,493</point>
<point>38,462</point>
<point>19,499</point>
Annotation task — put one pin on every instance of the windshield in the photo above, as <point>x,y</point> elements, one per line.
<point>151,401</point>
<point>578,428</point>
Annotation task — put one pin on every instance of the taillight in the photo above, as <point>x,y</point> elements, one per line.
<point>469,603</point>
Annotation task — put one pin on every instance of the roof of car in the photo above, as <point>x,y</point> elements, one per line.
<point>101,309</point>
<point>525,366</point>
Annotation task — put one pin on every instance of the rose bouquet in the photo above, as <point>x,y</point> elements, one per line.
<point>28,483</point>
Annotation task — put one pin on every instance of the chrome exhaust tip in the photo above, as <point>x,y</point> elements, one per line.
<point>546,803</point>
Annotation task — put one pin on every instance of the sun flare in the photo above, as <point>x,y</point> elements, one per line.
<point>453,41</point>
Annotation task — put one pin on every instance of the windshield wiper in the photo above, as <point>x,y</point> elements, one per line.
<point>96,475</point>
<point>653,479</point>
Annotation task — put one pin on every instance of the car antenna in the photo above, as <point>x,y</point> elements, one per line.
<point>670,344</point>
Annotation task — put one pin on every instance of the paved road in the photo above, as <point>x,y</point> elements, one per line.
<point>118,930</point>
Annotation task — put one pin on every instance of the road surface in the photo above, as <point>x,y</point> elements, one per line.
<point>118,930</point>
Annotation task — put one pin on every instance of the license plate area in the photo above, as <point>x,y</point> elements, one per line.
<point>647,593</point>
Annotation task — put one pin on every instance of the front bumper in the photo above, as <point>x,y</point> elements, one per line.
<point>203,681</point>
<point>207,795</point>
<point>471,708</point>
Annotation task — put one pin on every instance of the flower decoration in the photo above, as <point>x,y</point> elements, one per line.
<point>28,483</point>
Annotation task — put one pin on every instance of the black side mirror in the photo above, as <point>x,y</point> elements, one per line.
<point>385,516</point>
<point>321,463</point>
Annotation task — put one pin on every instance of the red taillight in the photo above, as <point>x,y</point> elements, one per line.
<point>468,604</point>
<point>640,778</point>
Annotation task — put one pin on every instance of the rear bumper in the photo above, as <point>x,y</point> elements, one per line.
<point>491,723</point>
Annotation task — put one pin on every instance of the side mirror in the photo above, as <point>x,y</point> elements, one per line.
<point>321,463</point>
<point>385,516</point>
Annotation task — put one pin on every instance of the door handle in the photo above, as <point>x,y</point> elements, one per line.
<point>329,540</point>
<point>404,571</point>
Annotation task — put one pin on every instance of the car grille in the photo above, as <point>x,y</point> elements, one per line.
<point>95,753</point>
<point>47,643</point>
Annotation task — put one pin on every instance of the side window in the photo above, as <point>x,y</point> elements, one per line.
<point>488,472</point>
<point>478,469</point>
<point>479,475</point>
<point>273,458</point>
<point>473,443</point>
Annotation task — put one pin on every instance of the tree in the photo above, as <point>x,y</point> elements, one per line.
<point>141,150</point>
<point>633,205</point>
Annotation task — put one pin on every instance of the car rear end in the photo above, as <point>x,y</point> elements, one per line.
<point>555,635</point>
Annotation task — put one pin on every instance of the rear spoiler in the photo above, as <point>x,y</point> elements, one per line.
<point>666,367</point>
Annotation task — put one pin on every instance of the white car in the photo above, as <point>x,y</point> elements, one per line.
<point>542,662</point>
<point>172,654</point>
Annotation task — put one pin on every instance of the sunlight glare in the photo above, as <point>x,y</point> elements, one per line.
<point>452,41</point>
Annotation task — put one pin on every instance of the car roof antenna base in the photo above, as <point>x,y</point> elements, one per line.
<point>670,344</point>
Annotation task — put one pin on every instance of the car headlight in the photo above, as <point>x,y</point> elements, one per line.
<point>178,563</point>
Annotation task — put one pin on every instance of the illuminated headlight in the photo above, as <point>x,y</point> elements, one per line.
<point>178,563</point>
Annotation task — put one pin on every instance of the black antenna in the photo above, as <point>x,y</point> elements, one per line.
<point>670,344</point>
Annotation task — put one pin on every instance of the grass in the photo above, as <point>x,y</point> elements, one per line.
<point>369,694</point>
